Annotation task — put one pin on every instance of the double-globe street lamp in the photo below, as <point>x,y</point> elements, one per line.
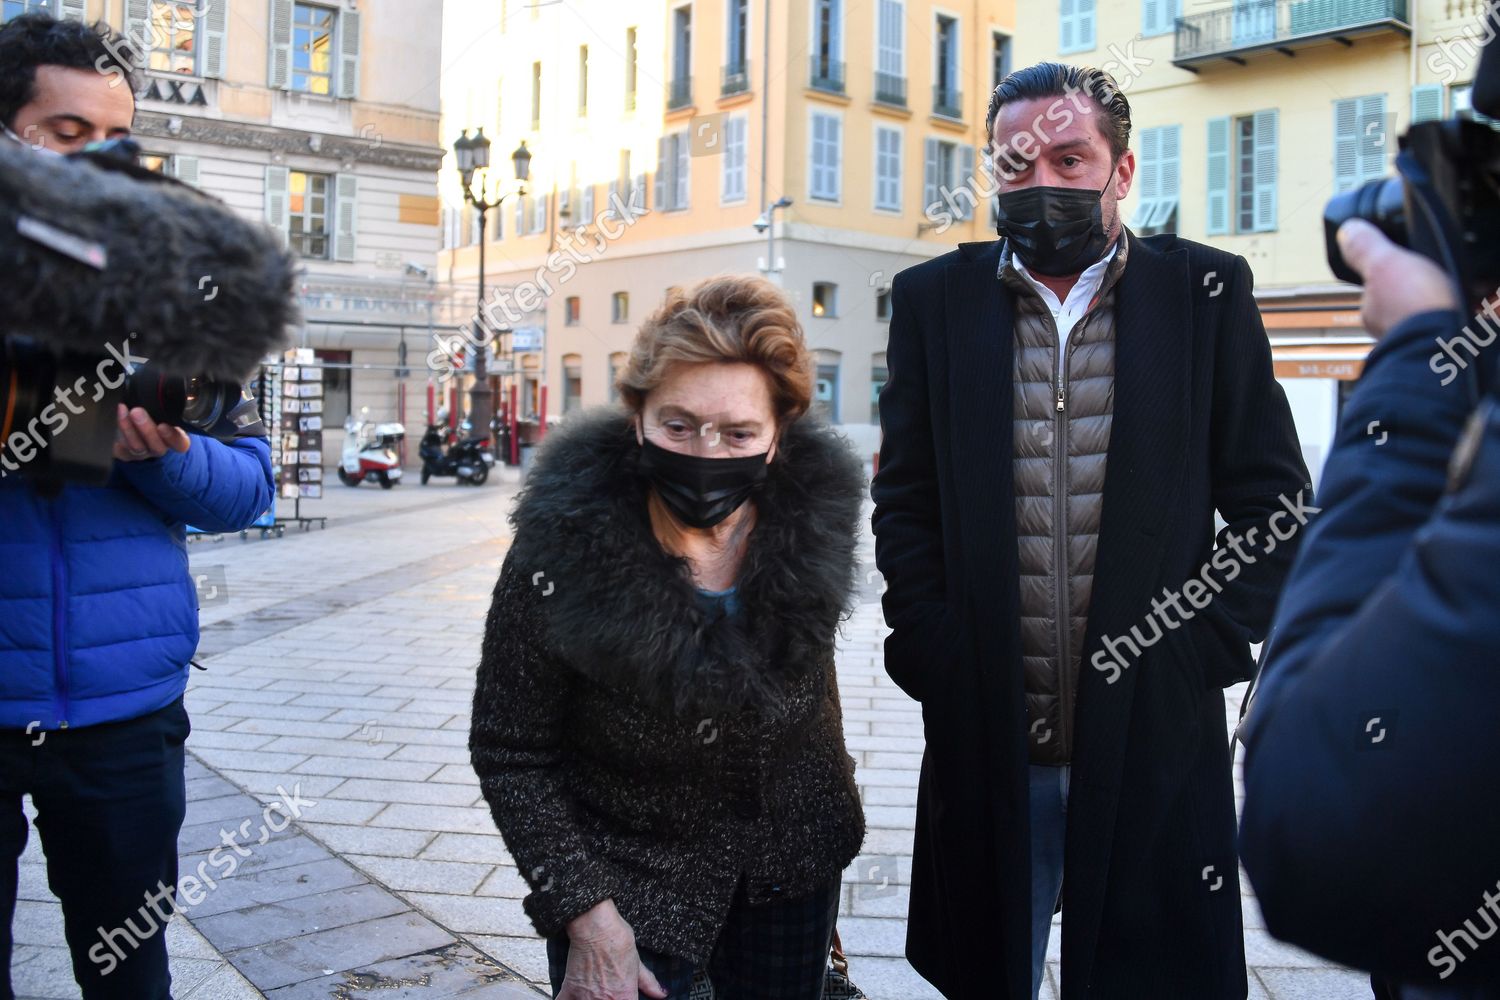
<point>473,158</point>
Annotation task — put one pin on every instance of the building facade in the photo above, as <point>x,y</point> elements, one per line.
<point>647,126</point>
<point>1249,116</point>
<point>320,118</point>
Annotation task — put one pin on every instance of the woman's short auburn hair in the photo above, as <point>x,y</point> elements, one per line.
<point>723,320</point>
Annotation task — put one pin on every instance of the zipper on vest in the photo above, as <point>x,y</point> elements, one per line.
<point>59,615</point>
<point>1060,541</point>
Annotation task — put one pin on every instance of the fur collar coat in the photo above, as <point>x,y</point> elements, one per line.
<point>635,745</point>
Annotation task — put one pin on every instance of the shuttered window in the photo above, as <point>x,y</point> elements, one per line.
<point>1158,180</point>
<point>827,153</point>
<point>1075,29</point>
<point>887,168</point>
<point>1360,141</point>
<point>733,186</point>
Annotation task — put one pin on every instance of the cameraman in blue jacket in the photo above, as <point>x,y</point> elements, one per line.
<point>98,612</point>
<point>1371,830</point>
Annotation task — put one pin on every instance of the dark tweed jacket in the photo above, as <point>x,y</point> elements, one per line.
<point>632,746</point>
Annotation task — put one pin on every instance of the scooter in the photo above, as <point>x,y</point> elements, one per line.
<point>370,453</point>
<point>445,453</point>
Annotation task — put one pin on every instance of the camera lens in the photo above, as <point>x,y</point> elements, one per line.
<point>1379,203</point>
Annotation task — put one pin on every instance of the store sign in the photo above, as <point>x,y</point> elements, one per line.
<point>526,338</point>
<point>170,91</point>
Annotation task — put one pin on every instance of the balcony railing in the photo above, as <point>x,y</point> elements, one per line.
<point>679,93</point>
<point>1281,25</point>
<point>827,74</point>
<point>947,102</point>
<point>890,89</point>
<point>735,78</point>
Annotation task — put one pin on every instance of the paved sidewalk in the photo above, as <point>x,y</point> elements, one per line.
<point>340,671</point>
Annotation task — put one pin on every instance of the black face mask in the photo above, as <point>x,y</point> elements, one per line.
<point>1056,231</point>
<point>701,491</point>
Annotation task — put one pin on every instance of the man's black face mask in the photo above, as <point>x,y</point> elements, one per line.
<point>1056,231</point>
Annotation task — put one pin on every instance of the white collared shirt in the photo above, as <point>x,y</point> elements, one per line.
<point>1065,315</point>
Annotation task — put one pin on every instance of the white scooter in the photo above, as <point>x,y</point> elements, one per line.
<point>370,453</point>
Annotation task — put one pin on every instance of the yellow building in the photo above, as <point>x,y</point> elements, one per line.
<point>871,110</point>
<point>1249,116</point>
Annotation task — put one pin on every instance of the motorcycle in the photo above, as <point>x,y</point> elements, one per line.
<point>370,453</point>
<point>446,453</point>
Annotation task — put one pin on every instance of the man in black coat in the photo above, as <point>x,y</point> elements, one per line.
<point>1089,751</point>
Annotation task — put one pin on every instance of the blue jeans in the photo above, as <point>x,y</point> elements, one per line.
<point>1049,824</point>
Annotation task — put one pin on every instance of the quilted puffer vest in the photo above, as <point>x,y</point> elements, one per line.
<point>1061,436</point>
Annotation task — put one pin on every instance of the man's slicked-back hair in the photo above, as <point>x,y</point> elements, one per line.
<point>33,40</point>
<point>1050,79</point>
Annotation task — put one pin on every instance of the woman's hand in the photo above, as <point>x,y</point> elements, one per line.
<point>602,961</point>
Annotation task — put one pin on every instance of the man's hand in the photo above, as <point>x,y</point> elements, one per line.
<point>1398,283</point>
<point>602,961</point>
<point>140,439</point>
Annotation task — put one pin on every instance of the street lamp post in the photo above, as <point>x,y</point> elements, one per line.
<point>767,224</point>
<point>473,158</point>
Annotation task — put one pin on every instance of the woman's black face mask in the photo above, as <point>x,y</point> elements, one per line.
<point>1056,231</point>
<point>701,491</point>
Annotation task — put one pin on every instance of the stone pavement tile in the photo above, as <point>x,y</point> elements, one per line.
<point>246,759</point>
<point>296,727</point>
<point>447,819</point>
<point>359,767</point>
<point>484,847</point>
<point>209,786</point>
<point>526,954</point>
<point>290,848</point>
<point>889,978</point>
<point>1315,984</point>
<point>258,710</point>
<point>38,923</point>
<point>1264,951</point>
<point>239,696</point>
<point>312,746</point>
<point>271,885</point>
<point>433,754</point>
<point>456,971</point>
<point>44,973</point>
<point>872,936</point>
<point>32,882</point>
<point>224,983</point>
<point>336,810</point>
<point>292,918</point>
<point>414,719</point>
<point>226,740</point>
<point>359,839</point>
<point>889,795</point>
<point>322,953</point>
<point>473,914</point>
<point>456,878</point>
<point>265,784</point>
<point>902,818</point>
<point>351,702</point>
<point>411,792</point>
<point>462,774</point>
<point>1258,990</point>
<point>506,881</point>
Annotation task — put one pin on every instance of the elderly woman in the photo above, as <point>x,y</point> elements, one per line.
<point>656,726</point>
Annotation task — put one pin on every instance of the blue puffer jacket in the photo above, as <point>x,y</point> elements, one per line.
<point>98,612</point>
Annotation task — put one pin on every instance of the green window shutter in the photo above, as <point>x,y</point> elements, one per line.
<point>138,26</point>
<point>1086,24</point>
<point>1067,25</point>
<point>680,198</point>
<point>349,22</point>
<point>1374,139</point>
<point>1218,177</point>
<point>185,169</point>
<point>665,162</point>
<point>346,208</point>
<point>1265,130</point>
<point>930,175</point>
<point>965,179</point>
<point>1426,102</point>
<point>1149,170</point>
<point>72,10</point>
<point>278,202</point>
<point>215,28</point>
<point>1346,151</point>
<point>280,73</point>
